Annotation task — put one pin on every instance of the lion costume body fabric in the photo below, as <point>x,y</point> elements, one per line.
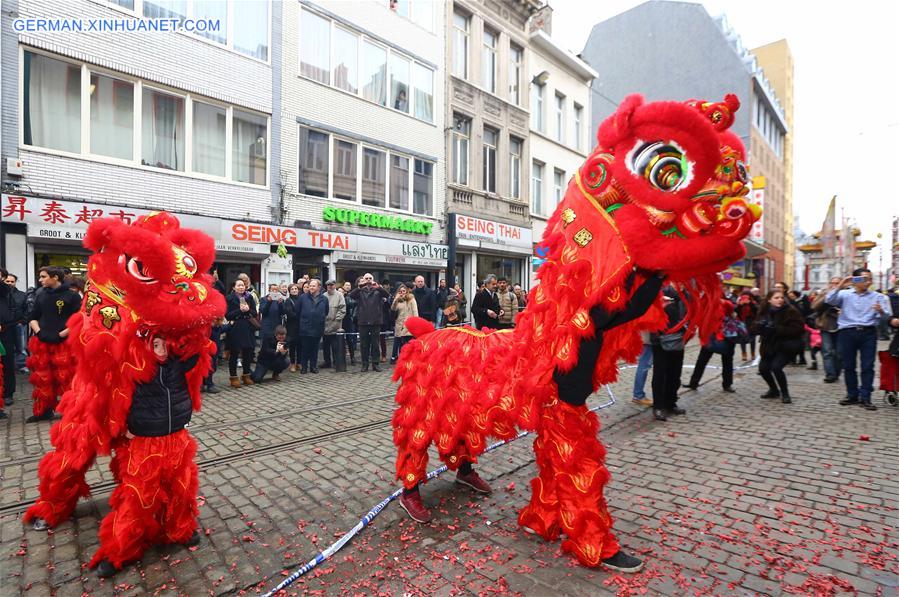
<point>662,195</point>
<point>145,280</point>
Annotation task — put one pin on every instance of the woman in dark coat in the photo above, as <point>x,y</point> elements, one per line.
<point>349,321</point>
<point>292,323</point>
<point>313,311</point>
<point>241,308</point>
<point>781,328</point>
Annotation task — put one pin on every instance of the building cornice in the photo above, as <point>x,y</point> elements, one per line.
<point>580,68</point>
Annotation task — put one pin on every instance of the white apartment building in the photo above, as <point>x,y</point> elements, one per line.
<point>561,135</point>
<point>122,122</point>
<point>361,130</point>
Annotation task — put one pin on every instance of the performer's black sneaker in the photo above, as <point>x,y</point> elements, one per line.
<point>105,569</point>
<point>623,562</point>
<point>194,539</point>
<point>771,394</point>
<point>40,524</point>
<point>47,416</point>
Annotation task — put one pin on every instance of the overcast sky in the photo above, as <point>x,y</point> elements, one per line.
<point>846,96</point>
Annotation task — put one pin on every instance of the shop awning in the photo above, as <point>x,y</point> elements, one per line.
<point>753,249</point>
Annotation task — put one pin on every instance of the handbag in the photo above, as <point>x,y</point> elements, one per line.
<point>255,322</point>
<point>672,342</point>
<point>735,331</point>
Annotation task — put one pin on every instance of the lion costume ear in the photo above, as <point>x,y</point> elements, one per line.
<point>618,126</point>
<point>100,232</point>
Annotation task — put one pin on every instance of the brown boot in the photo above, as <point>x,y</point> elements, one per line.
<point>276,377</point>
<point>293,368</point>
<point>235,381</point>
<point>247,381</point>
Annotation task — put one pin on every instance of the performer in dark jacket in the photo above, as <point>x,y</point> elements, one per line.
<point>485,306</point>
<point>50,361</point>
<point>370,298</point>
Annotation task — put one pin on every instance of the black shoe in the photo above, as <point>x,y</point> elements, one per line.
<point>771,394</point>
<point>729,390</point>
<point>830,379</point>
<point>325,366</point>
<point>392,361</point>
<point>785,398</point>
<point>313,370</point>
<point>849,400</point>
<point>659,414</point>
<point>868,406</point>
<point>9,401</point>
<point>376,367</point>
<point>302,371</point>
<point>2,414</point>
<point>105,569</point>
<point>43,417</point>
<point>813,367</point>
<point>623,562</point>
<point>194,539</point>
<point>692,386</point>
<point>364,367</point>
<point>676,410</point>
<point>213,389</point>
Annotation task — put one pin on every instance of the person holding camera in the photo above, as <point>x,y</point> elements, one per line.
<point>826,320</point>
<point>272,355</point>
<point>272,311</point>
<point>861,311</point>
<point>370,299</point>
<point>405,306</point>
<point>781,328</point>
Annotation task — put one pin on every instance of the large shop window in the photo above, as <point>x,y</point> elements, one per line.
<point>52,98</point>
<point>501,267</point>
<point>374,176</point>
<point>313,163</point>
<point>345,170</point>
<point>163,130</point>
<point>249,147</point>
<point>399,183</point>
<point>315,44</point>
<point>53,95</point>
<point>209,139</point>
<point>112,117</point>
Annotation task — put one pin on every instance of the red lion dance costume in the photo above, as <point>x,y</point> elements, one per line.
<point>662,195</point>
<point>145,280</point>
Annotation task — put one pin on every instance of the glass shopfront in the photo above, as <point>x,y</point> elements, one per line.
<point>502,266</point>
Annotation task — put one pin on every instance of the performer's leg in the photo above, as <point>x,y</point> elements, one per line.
<point>61,473</point>
<point>133,523</point>
<point>62,364</point>
<point>541,515</point>
<point>179,520</point>
<point>41,378</point>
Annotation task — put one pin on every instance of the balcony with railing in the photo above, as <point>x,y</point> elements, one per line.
<point>487,205</point>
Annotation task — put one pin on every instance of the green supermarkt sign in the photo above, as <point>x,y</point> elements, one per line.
<point>374,220</point>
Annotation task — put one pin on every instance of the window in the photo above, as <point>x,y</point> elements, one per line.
<point>374,73</point>
<point>558,186</point>
<point>315,46</point>
<point>249,147</point>
<point>537,107</point>
<point>401,7</point>
<point>52,100</point>
<point>423,14</point>
<point>209,139</point>
<point>346,60</point>
<point>214,10</point>
<point>515,167</point>
<point>163,130</point>
<point>129,4</point>
<point>166,9</point>
<point>251,32</point>
<point>399,182</point>
<point>461,135</point>
<point>490,139</point>
<point>112,117</point>
<point>578,133</point>
<point>460,44</point>
<point>314,166</point>
<point>344,170</point>
<point>537,188</point>
<point>399,82</point>
<point>488,61</point>
<point>560,118</point>
<point>515,63</point>
<point>374,176</point>
<point>422,188</point>
<point>424,92</point>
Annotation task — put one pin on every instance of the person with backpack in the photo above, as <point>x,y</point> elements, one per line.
<point>723,342</point>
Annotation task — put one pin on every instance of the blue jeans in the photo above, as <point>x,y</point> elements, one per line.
<point>830,355</point>
<point>643,366</point>
<point>21,345</point>
<point>851,341</point>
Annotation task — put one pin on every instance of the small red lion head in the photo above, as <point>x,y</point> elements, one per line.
<point>674,180</point>
<point>156,269</point>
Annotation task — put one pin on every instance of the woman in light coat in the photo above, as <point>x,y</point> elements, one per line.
<point>404,307</point>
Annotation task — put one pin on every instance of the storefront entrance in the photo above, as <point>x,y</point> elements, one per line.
<point>72,260</point>
<point>501,267</point>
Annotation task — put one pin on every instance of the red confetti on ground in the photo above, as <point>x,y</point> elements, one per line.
<point>864,438</point>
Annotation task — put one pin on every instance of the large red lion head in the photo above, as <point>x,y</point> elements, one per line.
<point>156,270</point>
<point>673,178</point>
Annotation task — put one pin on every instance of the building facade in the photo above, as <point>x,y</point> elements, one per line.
<point>561,134</point>
<point>123,122</point>
<point>362,135</point>
<point>487,140</point>
<point>711,62</point>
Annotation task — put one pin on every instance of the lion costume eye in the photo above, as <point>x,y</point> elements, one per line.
<point>136,269</point>
<point>663,165</point>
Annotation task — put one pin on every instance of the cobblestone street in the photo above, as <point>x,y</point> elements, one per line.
<point>741,496</point>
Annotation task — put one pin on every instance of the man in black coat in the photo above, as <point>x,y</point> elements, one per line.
<point>485,306</point>
<point>9,316</point>
<point>370,298</point>
<point>426,299</point>
<point>442,296</point>
<point>18,298</point>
